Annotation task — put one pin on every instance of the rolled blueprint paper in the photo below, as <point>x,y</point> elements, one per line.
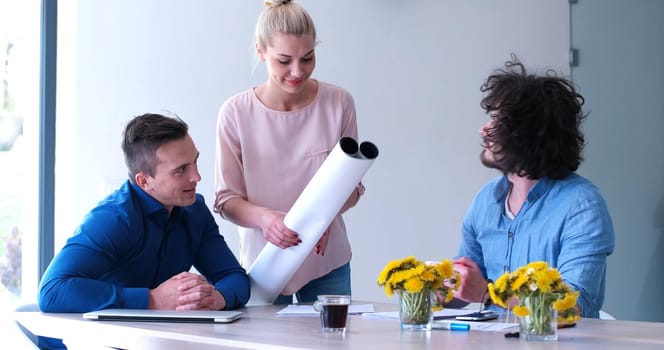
<point>311,214</point>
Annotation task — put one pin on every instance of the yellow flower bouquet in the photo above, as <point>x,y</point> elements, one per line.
<point>540,294</point>
<point>415,281</point>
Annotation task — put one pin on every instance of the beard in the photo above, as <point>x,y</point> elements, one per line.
<point>489,163</point>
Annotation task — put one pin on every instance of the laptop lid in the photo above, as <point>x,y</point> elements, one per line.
<point>143,315</point>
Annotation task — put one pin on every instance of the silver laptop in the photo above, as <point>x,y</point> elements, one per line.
<point>143,315</point>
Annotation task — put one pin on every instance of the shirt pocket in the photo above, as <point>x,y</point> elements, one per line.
<point>317,155</point>
<point>495,249</point>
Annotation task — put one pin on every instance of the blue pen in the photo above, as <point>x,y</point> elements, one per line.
<point>452,326</point>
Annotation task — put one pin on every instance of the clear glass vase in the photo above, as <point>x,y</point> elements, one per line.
<point>541,323</point>
<point>415,310</point>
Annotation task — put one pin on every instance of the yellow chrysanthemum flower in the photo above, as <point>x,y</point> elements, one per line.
<point>428,275</point>
<point>392,265</point>
<point>543,281</point>
<point>519,282</point>
<point>437,284</point>
<point>568,302</point>
<point>446,269</point>
<point>414,276</point>
<point>449,297</point>
<point>536,286</point>
<point>413,285</point>
<point>521,311</point>
<point>501,283</point>
<point>398,277</point>
<point>538,265</point>
<point>495,297</point>
<point>569,319</point>
<point>388,290</point>
<point>554,275</point>
<point>409,260</point>
<point>409,273</point>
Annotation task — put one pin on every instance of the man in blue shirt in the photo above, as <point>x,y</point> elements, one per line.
<point>540,209</point>
<point>136,248</point>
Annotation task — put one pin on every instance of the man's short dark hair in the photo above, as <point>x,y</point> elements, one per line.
<point>537,129</point>
<point>143,135</point>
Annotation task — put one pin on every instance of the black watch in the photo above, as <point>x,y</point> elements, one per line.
<point>488,301</point>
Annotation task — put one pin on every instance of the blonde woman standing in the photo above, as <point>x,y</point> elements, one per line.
<point>271,139</point>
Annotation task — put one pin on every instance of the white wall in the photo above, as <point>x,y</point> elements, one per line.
<point>414,68</point>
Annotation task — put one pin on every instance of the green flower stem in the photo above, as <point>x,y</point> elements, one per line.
<point>415,307</point>
<point>541,318</point>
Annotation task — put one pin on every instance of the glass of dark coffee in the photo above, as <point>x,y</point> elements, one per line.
<point>333,312</point>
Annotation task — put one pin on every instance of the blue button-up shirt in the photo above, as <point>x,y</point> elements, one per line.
<point>563,222</point>
<point>129,244</point>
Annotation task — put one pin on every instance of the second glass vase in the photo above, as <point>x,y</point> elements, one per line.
<point>541,324</point>
<point>415,310</point>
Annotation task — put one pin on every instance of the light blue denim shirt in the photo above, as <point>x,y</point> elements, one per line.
<point>563,222</point>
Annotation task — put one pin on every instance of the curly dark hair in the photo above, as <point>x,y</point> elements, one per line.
<point>537,127</point>
<point>143,135</point>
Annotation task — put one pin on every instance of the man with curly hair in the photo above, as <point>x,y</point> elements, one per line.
<point>539,208</point>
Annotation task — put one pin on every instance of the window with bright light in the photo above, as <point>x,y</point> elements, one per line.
<point>19,152</point>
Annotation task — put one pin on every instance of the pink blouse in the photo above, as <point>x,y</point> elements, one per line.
<point>268,157</point>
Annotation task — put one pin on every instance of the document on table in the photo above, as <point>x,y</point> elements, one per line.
<point>488,326</point>
<point>442,314</point>
<point>308,310</point>
<point>449,315</point>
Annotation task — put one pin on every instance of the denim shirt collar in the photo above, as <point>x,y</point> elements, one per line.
<point>503,187</point>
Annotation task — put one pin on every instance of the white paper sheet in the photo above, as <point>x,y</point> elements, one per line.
<point>308,310</point>
<point>394,315</point>
<point>310,215</point>
<point>479,326</point>
<point>486,326</point>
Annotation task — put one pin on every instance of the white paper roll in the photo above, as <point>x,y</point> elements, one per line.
<point>311,214</point>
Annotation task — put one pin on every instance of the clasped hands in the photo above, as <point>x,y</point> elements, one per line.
<point>186,291</point>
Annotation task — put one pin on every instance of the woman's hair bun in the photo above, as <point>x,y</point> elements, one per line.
<point>275,3</point>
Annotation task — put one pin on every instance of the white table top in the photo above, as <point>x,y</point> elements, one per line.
<point>259,328</point>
